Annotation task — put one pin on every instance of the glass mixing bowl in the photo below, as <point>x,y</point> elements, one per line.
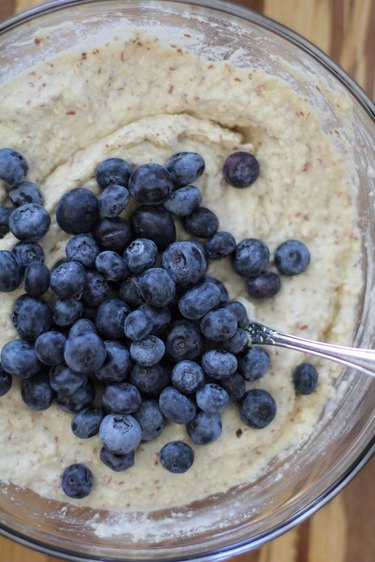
<point>291,489</point>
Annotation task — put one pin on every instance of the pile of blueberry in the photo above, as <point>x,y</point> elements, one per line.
<point>128,332</point>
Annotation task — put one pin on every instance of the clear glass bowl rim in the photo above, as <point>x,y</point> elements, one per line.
<point>368,105</point>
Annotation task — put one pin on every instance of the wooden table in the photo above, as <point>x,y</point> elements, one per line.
<point>344,530</point>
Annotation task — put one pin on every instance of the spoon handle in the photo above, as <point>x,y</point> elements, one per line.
<point>360,359</point>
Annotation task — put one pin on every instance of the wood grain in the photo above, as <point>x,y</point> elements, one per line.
<point>343,531</point>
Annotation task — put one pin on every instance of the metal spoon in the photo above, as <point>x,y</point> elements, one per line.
<point>360,359</point>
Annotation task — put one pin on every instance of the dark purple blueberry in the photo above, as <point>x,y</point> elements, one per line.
<point>26,252</point>
<point>82,326</point>
<point>77,481</point>
<point>185,262</point>
<point>205,428</point>
<point>201,223</point>
<point>29,222</point>
<point>187,376</point>
<point>113,234</point>
<point>199,300</point>
<point>251,257</point>
<point>85,354</point>
<point>96,289</point>
<point>183,341</point>
<point>177,457</point>
<point>117,463</point>
<point>150,184</point>
<point>66,311</point>
<point>140,255</point>
<point>241,169</point>
<point>235,386</point>
<point>150,380</point>
<point>237,343</point>
<point>212,398</point>
<point>10,272</point>
<point>185,167</point>
<point>13,166</point>
<point>160,318</point>
<point>219,364</point>
<point>183,201</point>
<point>36,280</point>
<point>26,192</point>
<point>113,201</point>
<point>110,318</point>
<point>121,398</point>
<point>68,280</point>
<point>254,364</point>
<point>224,295</point>
<point>219,324</point>
<point>113,171</point>
<point>31,317</point>
<point>77,211</point>
<point>37,392</point>
<point>258,408</point>
<point>150,419</point>
<point>19,359</point>
<point>175,406</point>
<point>117,364</point>
<point>292,257</point>
<point>75,402</point>
<point>222,244</point>
<point>137,325</point>
<point>155,224</point>
<point>86,423</point>
<point>129,291</point>
<point>5,213</point>
<point>240,312</point>
<point>83,249</point>
<point>147,351</point>
<point>65,381</point>
<point>111,265</point>
<point>264,286</point>
<point>305,378</point>
<point>157,287</point>
<point>50,346</point>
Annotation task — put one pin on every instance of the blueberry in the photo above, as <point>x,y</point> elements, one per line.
<point>251,257</point>
<point>113,200</point>
<point>110,318</point>
<point>199,300</point>
<point>137,325</point>
<point>68,279</point>
<point>96,289</point>
<point>121,434</point>
<point>31,317</point>
<point>66,311</point>
<point>185,262</point>
<point>205,428</point>
<point>185,167</point>
<point>129,291</point>
<point>37,392</point>
<point>85,354</point>
<point>5,213</point>
<point>148,351</point>
<point>237,343</point>
<point>240,312</point>
<point>241,169</point>
<point>219,364</point>
<point>26,192</point>
<point>155,224</point>
<point>37,279</point>
<point>111,266</point>
<point>235,386</point>
<point>150,184</point>
<point>77,211</point>
<point>150,419</point>
<point>264,286</point>
<point>175,406</point>
<point>65,381</point>
<point>86,423</point>
<point>177,457</point>
<point>82,326</point>
<point>224,295</point>
<point>157,287</point>
<point>113,234</point>
<point>83,249</point>
<point>5,382</point>
<point>254,364</point>
<point>150,380</point>
<point>305,378</point>
<point>121,398</point>
<point>221,244</point>
<point>258,408</point>
<point>212,398</point>
<point>292,257</point>
<point>50,346</point>
<point>77,481</point>
<point>183,341</point>
<point>19,359</point>
<point>183,201</point>
<point>29,222</point>
<point>10,272</point>
<point>201,223</point>
<point>219,324</point>
<point>82,397</point>
<point>13,166</point>
<point>113,171</point>
<point>187,376</point>
<point>26,252</point>
<point>140,255</point>
<point>117,363</point>
<point>117,463</point>
<point>160,318</point>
